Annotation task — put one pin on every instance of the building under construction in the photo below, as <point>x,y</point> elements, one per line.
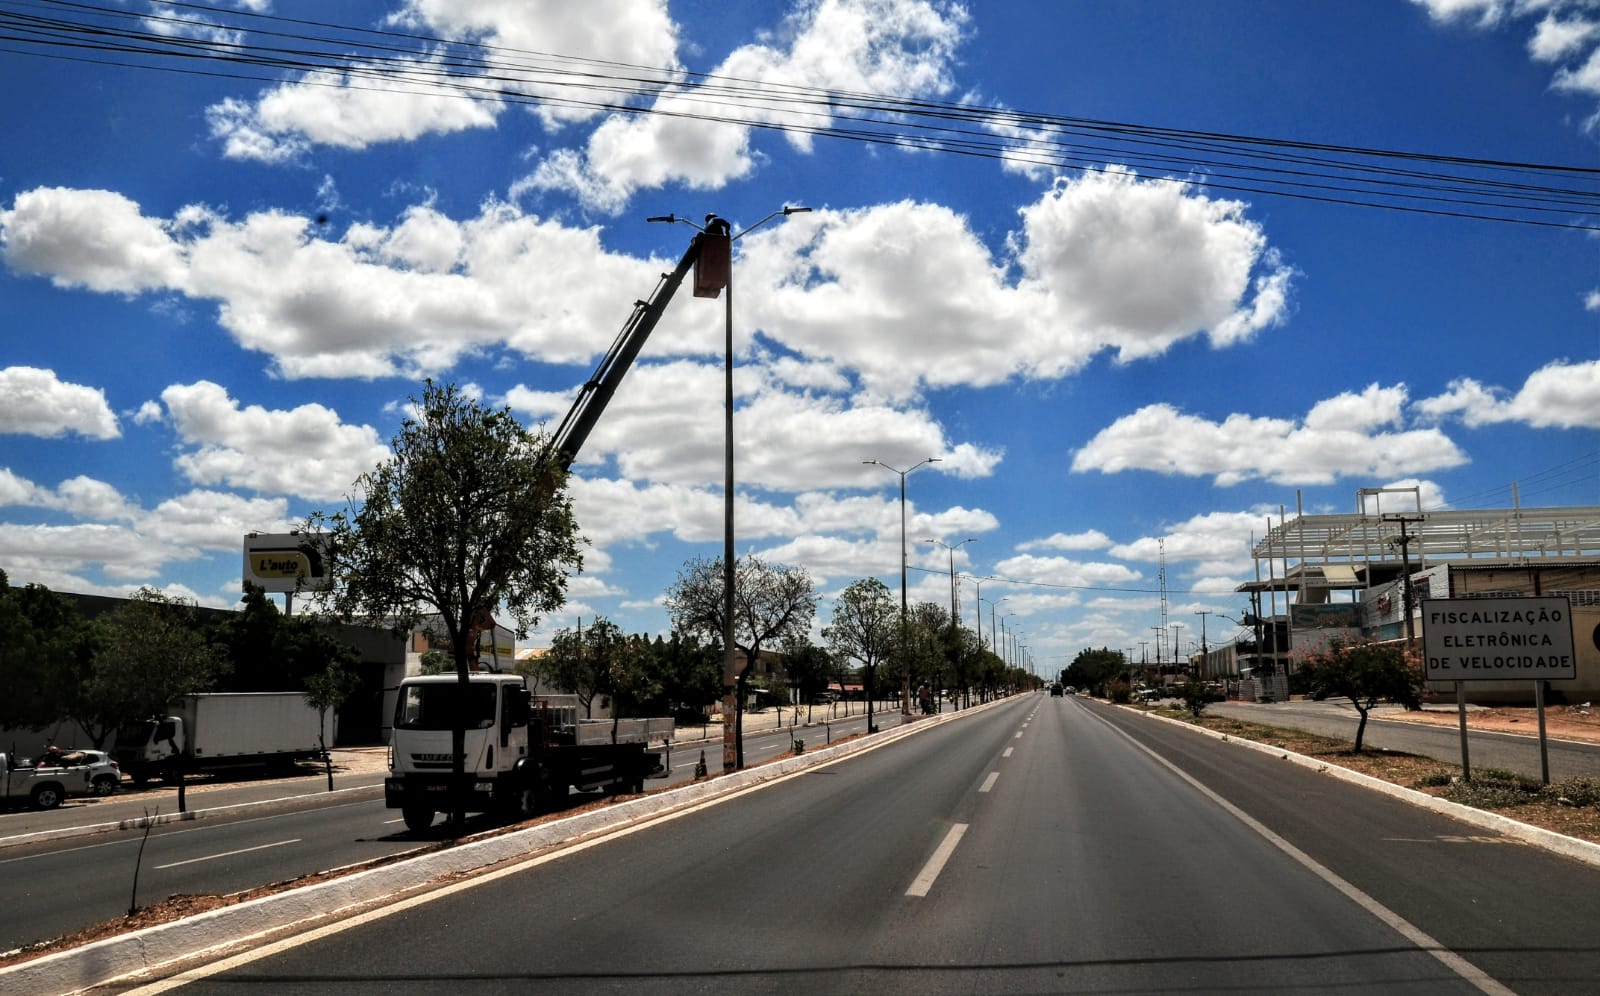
<point>1363,576</point>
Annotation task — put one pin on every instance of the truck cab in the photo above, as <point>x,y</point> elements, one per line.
<point>519,754</point>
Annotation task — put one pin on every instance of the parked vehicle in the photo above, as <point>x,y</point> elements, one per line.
<point>520,754</point>
<point>105,774</point>
<point>45,782</point>
<point>224,730</point>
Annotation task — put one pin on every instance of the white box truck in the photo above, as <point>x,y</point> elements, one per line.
<point>224,730</point>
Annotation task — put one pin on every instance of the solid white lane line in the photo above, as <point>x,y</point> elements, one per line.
<point>988,783</point>
<point>930,871</point>
<point>228,854</point>
<point>1470,973</point>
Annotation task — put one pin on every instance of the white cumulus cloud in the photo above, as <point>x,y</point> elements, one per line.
<point>38,403</point>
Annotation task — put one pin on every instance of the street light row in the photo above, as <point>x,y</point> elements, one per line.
<point>954,606</point>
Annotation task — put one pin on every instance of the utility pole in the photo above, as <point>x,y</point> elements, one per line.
<point>1403,541</point>
<point>1203,648</point>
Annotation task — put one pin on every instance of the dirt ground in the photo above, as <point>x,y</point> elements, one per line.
<point>1561,722</point>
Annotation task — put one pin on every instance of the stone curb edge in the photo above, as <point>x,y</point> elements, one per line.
<point>1570,847</point>
<point>127,955</point>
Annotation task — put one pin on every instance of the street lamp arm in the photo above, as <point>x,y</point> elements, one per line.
<point>785,211</point>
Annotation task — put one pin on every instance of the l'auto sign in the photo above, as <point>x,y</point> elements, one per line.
<point>1498,639</point>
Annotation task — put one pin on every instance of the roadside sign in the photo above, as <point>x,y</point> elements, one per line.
<point>1498,639</point>
<point>286,562</point>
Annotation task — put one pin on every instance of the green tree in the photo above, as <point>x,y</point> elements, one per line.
<point>630,679</point>
<point>45,655</point>
<point>809,668</point>
<point>924,656</point>
<point>150,652</point>
<point>771,603</point>
<point>579,660</point>
<point>468,515</point>
<point>865,628</point>
<point>1093,670</point>
<point>1364,673</point>
<point>326,691</point>
<point>273,652</point>
<point>690,673</point>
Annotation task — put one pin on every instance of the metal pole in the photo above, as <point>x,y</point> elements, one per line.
<point>1544,747</point>
<point>905,679</point>
<point>1461,718</point>
<point>732,748</point>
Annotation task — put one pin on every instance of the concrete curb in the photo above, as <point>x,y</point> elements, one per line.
<point>118,958</point>
<point>1570,847</point>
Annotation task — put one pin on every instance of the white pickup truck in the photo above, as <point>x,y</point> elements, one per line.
<point>45,782</point>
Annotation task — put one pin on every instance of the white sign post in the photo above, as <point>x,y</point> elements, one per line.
<point>1499,639</point>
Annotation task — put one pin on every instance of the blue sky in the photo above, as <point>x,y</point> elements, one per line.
<point>220,287</point>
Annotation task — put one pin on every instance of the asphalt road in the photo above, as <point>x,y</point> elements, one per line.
<point>1044,845</point>
<point>284,829</point>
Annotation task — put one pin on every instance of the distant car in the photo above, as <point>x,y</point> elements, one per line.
<point>1056,689</point>
<point>1151,695</point>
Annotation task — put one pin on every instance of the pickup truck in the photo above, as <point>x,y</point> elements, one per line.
<point>45,783</point>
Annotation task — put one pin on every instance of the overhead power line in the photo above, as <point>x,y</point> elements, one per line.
<point>197,39</point>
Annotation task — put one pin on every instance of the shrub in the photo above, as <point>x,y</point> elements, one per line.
<point>1578,791</point>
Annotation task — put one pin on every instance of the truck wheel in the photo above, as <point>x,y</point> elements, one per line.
<point>417,818</point>
<point>105,785</point>
<point>46,797</point>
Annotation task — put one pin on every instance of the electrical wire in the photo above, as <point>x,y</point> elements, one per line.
<point>265,47</point>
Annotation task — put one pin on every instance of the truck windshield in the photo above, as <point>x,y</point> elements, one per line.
<point>433,707</point>
<point>135,734</point>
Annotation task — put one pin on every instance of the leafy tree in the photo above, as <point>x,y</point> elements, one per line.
<point>865,628</point>
<point>809,668</point>
<point>327,689</point>
<point>467,516</point>
<point>45,650</point>
<point>1095,669</point>
<point>435,662</point>
<point>690,673</point>
<point>968,658</point>
<point>1365,673</point>
<point>579,660</point>
<point>771,603</point>
<point>150,652</point>
<point>273,652</point>
<point>250,638</point>
<point>1196,696</point>
<point>629,678</point>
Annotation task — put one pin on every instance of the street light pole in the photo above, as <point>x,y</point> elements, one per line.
<point>954,633</point>
<point>732,731</point>
<point>905,685</point>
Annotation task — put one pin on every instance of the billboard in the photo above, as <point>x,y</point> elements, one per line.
<point>286,562</point>
<point>1498,639</point>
